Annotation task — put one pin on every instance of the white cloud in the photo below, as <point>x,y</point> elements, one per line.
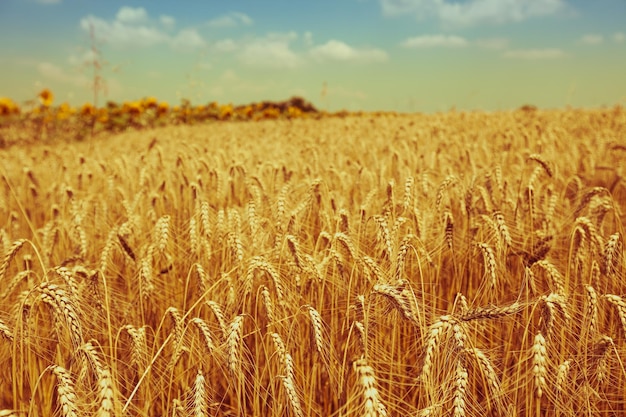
<point>339,51</point>
<point>53,72</point>
<point>592,39</point>
<point>225,45</point>
<point>474,12</point>
<point>133,28</point>
<point>492,43</point>
<point>230,20</point>
<point>429,41</point>
<point>188,39</point>
<point>85,58</point>
<point>121,34</point>
<point>230,82</point>
<point>308,38</point>
<point>535,54</point>
<point>167,21</point>
<point>272,51</point>
<point>619,37</point>
<point>131,15</point>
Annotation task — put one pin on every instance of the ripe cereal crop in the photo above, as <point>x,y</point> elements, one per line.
<point>449,264</point>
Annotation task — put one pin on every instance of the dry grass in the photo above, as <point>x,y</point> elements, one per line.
<point>464,264</point>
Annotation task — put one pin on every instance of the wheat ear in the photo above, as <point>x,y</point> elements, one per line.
<point>540,355</point>
<point>8,257</point>
<point>219,315</point>
<point>288,378</point>
<point>63,306</point>
<point>105,382</point>
<point>460,388</point>
<point>398,299</point>
<point>373,406</point>
<point>233,342</point>
<point>200,396</point>
<point>5,332</point>
<point>65,391</point>
<point>562,375</point>
<point>620,305</point>
<point>205,333</point>
<point>601,353</point>
<point>432,344</point>
<point>592,308</point>
<point>139,348</point>
<point>612,251</point>
<point>490,263</point>
<point>491,312</point>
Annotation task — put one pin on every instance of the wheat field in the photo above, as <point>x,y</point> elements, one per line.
<point>452,264</point>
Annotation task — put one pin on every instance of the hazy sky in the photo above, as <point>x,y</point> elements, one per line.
<point>422,55</point>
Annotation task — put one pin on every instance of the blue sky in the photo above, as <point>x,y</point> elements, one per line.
<point>407,55</point>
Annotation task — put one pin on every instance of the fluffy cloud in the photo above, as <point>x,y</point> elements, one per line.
<point>167,21</point>
<point>271,51</point>
<point>132,27</point>
<point>453,41</point>
<point>492,43</point>
<point>53,72</point>
<point>131,15</point>
<point>619,37</point>
<point>230,20</point>
<point>225,45</point>
<point>335,50</point>
<point>187,39</point>
<point>592,39</point>
<point>280,50</point>
<point>429,41</point>
<point>534,54</point>
<point>474,12</point>
<point>86,58</point>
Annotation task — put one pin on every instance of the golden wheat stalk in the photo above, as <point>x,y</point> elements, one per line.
<point>63,307</point>
<point>620,305</point>
<point>460,388</point>
<point>200,396</point>
<point>435,332</point>
<point>490,263</point>
<point>219,315</point>
<point>612,253</point>
<point>540,355</point>
<point>592,309</point>
<point>8,257</point>
<point>139,347</point>
<point>372,404</point>
<point>205,333</point>
<point>5,331</point>
<point>65,391</point>
<point>288,378</point>
<point>562,375</point>
<point>489,375</point>
<point>179,329</point>
<point>233,342</point>
<point>602,351</point>
<point>399,299</point>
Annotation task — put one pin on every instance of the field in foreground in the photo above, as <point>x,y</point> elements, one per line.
<point>464,264</point>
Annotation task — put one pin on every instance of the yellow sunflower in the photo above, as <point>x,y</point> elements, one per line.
<point>134,108</point>
<point>162,108</point>
<point>8,107</point>
<point>150,103</point>
<point>88,110</point>
<point>46,97</point>
<point>65,111</point>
